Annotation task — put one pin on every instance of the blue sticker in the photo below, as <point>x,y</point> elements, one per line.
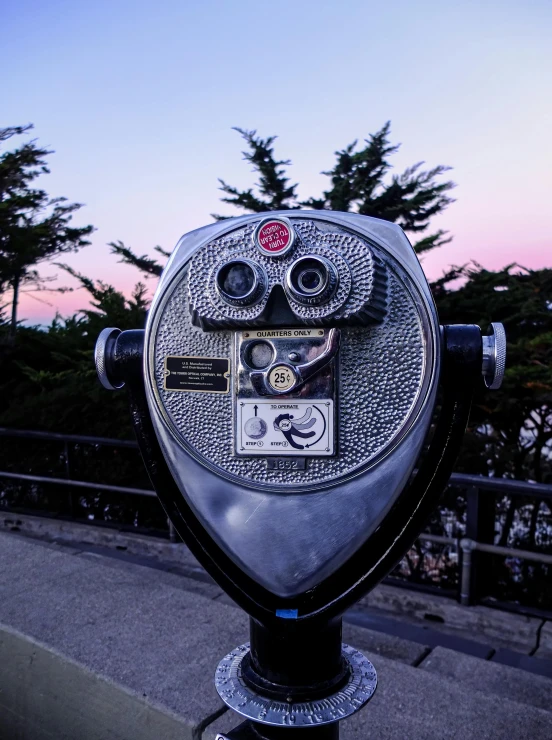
<point>287,613</point>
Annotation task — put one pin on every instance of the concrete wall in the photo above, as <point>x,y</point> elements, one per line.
<point>46,696</point>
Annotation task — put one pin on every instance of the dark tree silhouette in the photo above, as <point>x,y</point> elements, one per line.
<point>34,228</point>
<point>359,183</point>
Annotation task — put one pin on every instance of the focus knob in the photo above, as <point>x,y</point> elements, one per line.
<point>103,357</point>
<point>494,357</point>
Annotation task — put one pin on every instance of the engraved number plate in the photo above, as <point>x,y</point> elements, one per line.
<point>286,463</point>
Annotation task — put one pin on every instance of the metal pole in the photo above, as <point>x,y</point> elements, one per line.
<point>295,662</point>
<point>294,679</point>
<point>68,476</point>
<point>467,547</point>
<point>173,537</point>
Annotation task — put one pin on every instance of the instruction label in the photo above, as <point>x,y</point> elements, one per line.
<point>199,374</point>
<point>272,427</point>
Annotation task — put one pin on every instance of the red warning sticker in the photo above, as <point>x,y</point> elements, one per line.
<point>274,237</point>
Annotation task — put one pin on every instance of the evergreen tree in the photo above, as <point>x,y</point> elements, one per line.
<point>48,380</point>
<point>145,264</point>
<point>510,432</point>
<point>276,194</point>
<point>34,228</point>
<point>358,184</point>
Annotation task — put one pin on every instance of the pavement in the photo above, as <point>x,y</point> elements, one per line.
<point>98,642</point>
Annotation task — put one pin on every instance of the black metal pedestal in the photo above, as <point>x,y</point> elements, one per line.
<point>294,679</point>
<point>250,731</point>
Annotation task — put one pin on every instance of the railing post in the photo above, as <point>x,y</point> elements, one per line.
<point>466,592</point>
<point>173,537</point>
<point>480,520</point>
<point>68,476</point>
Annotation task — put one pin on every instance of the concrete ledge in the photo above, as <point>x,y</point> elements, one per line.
<point>95,624</point>
<point>490,627</point>
<point>377,643</point>
<point>134,626</point>
<point>46,696</point>
<point>74,533</point>
<point>479,623</point>
<point>490,678</point>
<point>411,704</point>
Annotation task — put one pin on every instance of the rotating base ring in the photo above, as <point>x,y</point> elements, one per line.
<point>235,693</point>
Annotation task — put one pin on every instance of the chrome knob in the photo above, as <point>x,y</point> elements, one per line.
<point>103,354</point>
<point>494,356</point>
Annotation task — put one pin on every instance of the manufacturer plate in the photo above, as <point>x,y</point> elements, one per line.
<point>295,427</point>
<point>199,374</point>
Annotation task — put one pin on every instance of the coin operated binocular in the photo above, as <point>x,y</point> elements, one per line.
<point>291,374</point>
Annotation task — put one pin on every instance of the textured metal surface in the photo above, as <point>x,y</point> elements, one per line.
<point>382,376</point>
<point>363,295</point>
<point>353,696</point>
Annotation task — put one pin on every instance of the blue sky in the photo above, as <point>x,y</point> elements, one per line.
<point>138,101</point>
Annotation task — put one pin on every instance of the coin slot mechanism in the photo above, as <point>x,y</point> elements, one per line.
<point>283,408</point>
<point>258,355</point>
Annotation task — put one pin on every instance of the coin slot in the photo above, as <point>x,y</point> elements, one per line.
<point>259,355</point>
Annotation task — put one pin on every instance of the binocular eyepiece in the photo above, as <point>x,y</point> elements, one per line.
<point>310,280</point>
<point>241,282</point>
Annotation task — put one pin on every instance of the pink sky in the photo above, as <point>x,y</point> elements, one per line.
<point>138,102</point>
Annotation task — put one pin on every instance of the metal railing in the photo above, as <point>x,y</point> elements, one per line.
<point>65,440</point>
<point>478,536</point>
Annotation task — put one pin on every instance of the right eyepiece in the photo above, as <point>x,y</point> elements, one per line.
<point>311,280</point>
<point>240,282</point>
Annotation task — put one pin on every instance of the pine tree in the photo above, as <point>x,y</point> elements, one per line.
<point>145,264</point>
<point>34,228</point>
<point>276,194</point>
<point>358,184</point>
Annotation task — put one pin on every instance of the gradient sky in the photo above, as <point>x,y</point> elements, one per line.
<point>138,100</point>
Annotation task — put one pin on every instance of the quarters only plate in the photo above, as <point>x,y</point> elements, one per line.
<point>293,427</point>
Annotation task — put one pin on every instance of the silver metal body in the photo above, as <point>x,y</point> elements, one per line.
<point>290,526</point>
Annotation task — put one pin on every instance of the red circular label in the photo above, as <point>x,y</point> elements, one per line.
<point>274,237</point>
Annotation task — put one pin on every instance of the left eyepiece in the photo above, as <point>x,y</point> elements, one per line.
<point>240,282</point>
